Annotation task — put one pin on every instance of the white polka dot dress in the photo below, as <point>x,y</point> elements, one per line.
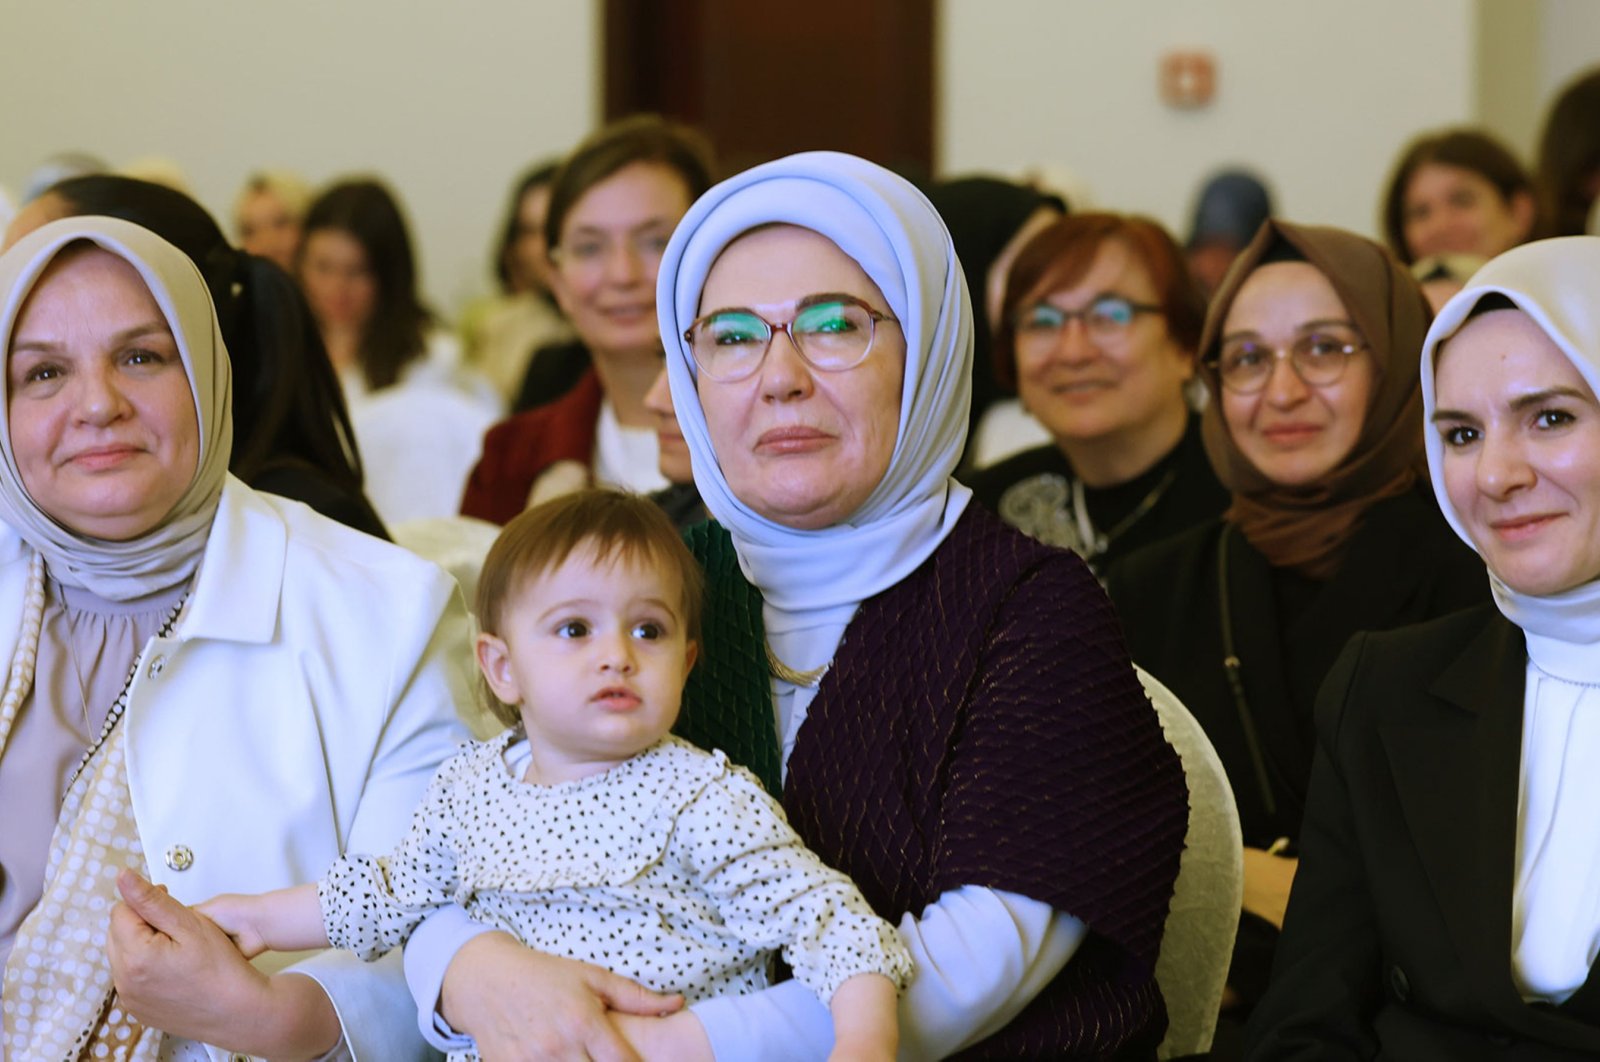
<point>675,869</point>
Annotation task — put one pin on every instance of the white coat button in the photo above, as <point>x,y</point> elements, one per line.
<point>157,666</point>
<point>179,857</point>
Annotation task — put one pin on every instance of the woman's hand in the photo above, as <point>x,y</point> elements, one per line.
<point>517,1003</point>
<point>175,970</point>
<point>1267,880</point>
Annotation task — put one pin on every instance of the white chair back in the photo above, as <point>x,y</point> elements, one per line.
<point>1197,944</point>
<point>458,544</point>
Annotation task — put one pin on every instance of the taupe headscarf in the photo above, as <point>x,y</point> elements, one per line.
<point>1305,528</point>
<point>170,552</point>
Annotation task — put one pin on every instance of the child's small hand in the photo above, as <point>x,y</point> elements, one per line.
<point>859,1050</point>
<point>866,1025</point>
<point>235,914</point>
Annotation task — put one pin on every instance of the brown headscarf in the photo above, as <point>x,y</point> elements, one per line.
<point>1305,528</point>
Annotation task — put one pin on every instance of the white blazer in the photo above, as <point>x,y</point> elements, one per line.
<point>299,708</point>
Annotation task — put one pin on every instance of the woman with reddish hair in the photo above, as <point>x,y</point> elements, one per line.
<point>1098,332</point>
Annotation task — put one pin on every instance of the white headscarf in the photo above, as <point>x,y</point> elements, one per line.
<point>895,235</point>
<point>170,552</point>
<point>1557,284</point>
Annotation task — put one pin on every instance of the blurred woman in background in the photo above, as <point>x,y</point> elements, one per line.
<point>1098,332</point>
<point>613,207</point>
<point>268,213</point>
<point>417,415</point>
<point>1569,157</point>
<point>1458,192</point>
<point>990,220</point>
<point>502,332</point>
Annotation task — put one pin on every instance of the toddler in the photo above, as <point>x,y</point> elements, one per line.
<point>586,830</point>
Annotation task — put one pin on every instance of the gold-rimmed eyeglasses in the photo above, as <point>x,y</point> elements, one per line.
<point>1244,365</point>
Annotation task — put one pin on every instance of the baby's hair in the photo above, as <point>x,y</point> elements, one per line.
<point>614,525</point>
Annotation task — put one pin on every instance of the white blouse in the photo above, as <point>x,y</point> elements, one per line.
<point>626,458</point>
<point>1556,898</point>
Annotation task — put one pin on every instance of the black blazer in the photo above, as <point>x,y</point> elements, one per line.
<point>1397,943</point>
<point>1403,565</point>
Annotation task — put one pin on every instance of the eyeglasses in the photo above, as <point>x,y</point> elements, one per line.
<point>1318,358</point>
<point>590,253</point>
<point>831,333</point>
<point>1106,319</point>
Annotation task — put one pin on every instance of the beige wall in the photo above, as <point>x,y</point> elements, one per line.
<point>1527,52</point>
<point>447,101</point>
<point>451,101</point>
<point>1318,96</point>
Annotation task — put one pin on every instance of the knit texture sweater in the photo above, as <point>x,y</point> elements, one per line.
<point>981,725</point>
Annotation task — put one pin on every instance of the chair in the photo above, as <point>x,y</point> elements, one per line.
<point>1197,943</point>
<point>458,544</point>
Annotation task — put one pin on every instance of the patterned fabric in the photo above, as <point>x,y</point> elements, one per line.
<point>982,725</point>
<point>59,1002</point>
<point>1033,492</point>
<point>59,999</point>
<point>19,676</point>
<point>674,869</point>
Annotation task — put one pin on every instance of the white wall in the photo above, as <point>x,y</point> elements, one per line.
<point>1570,45</point>
<point>1319,96</point>
<point>447,101</point>
<point>451,101</point>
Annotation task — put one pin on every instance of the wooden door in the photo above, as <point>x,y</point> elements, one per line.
<point>764,79</point>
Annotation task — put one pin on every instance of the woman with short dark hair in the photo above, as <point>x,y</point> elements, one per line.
<point>1458,192</point>
<point>613,207</point>
<point>502,333</point>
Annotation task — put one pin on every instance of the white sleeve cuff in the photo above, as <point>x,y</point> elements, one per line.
<point>428,954</point>
<point>786,1023</point>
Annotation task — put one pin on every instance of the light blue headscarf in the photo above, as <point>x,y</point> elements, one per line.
<point>892,231</point>
<point>1557,283</point>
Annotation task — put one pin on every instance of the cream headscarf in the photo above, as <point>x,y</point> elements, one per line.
<point>170,552</point>
<point>1557,283</point>
<point>1555,898</point>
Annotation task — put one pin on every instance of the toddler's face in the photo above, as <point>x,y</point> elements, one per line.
<point>595,654</point>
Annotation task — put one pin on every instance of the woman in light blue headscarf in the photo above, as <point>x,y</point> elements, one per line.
<point>944,705</point>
